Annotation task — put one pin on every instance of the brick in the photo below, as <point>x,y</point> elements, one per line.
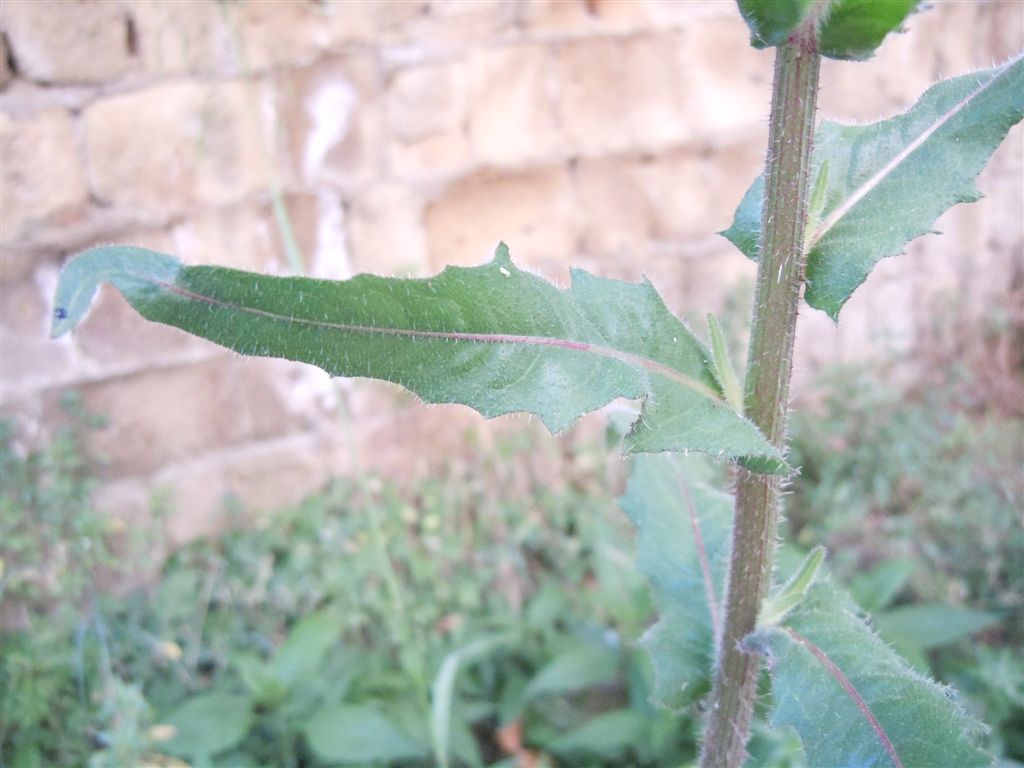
<point>69,42</point>
<point>261,478</point>
<point>331,118</point>
<point>242,38</point>
<point>426,107</point>
<point>177,38</point>
<point>426,101</point>
<point>617,212</point>
<point>583,16</point>
<point>159,417</point>
<point>386,231</point>
<point>41,178</point>
<point>168,147</point>
<point>622,94</point>
<point>17,262</point>
<point>239,236</point>
<point>512,119</point>
<point>31,360</point>
<point>435,158</point>
<point>533,212</point>
<point>454,22</point>
<point>672,14</point>
<point>726,84</point>
<point>6,75</point>
<point>278,33</point>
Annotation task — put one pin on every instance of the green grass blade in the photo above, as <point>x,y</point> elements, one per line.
<point>723,368</point>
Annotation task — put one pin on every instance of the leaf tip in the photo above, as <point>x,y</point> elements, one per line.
<point>502,256</point>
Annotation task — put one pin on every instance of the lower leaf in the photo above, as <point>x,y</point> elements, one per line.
<point>852,700</point>
<point>683,541</point>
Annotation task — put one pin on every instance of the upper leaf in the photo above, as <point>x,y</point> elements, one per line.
<point>846,29</point>
<point>771,22</point>
<point>848,695</point>
<point>683,545</point>
<point>492,337</point>
<point>887,182</point>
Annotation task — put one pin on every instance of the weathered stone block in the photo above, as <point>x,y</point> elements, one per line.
<point>533,211</point>
<point>168,147</point>
<point>41,178</point>
<point>6,75</point>
<point>426,101</point>
<point>512,117</point>
<point>725,84</point>
<point>175,38</point>
<point>617,212</point>
<point>622,94</point>
<point>30,359</point>
<point>331,118</point>
<point>159,417</point>
<point>239,236</point>
<point>386,231</point>
<point>69,42</point>
<point>262,478</point>
<point>430,159</point>
<point>581,16</point>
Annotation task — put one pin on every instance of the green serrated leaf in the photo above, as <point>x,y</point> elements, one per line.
<point>492,337</point>
<point>683,551</point>
<point>890,180</point>
<point>360,734</point>
<point>852,700</point>
<point>846,29</point>
<point>723,368</point>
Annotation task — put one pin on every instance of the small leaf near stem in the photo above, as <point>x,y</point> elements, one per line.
<point>791,593</point>
<point>722,366</point>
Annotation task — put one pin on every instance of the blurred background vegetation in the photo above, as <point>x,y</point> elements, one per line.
<point>487,604</point>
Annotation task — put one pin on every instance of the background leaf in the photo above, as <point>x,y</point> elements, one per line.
<point>681,643</point>
<point>889,181</point>
<point>922,720</point>
<point>604,737</point>
<point>492,337</point>
<point>574,670</point>
<point>915,628</point>
<point>308,642</point>
<point>875,589</point>
<point>207,724</point>
<point>360,734</point>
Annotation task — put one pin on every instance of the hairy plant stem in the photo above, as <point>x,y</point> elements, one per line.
<point>780,277</point>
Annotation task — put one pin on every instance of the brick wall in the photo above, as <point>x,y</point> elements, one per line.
<point>397,137</point>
